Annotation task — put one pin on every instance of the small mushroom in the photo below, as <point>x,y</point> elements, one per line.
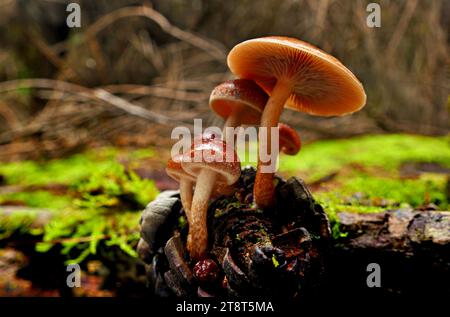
<point>290,142</point>
<point>175,171</point>
<point>213,169</point>
<point>296,75</point>
<point>239,101</point>
<point>220,189</point>
<point>187,181</point>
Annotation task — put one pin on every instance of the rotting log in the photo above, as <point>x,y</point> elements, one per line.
<point>403,230</point>
<point>411,248</point>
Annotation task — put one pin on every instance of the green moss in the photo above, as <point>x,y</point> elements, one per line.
<point>275,261</point>
<point>114,186</point>
<point>368,177</point>
<point>142,154</point>
<point>365,193</point>
<point>64,171</point>
<point>101,207</point>
<point>336,231</point>
<point>38,199</point>
<point>20,223</point>
<point>388,152</point>
<point>182,223</point>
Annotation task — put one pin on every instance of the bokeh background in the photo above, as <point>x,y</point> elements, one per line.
<point>86,115</point>
<point>171,70</point>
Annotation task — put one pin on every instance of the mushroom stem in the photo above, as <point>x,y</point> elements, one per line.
<point>198,231</point>
<point>264,189</point>
<point>232,121</point>
<point>186,197</point>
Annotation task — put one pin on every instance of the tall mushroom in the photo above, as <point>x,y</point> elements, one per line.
<point>212,170</point>
<point>239,101</point>
<point>290,142</point>
<point>296,75</point>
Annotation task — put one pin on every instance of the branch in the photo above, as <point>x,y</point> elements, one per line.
<point>161,92</point>
<point>97,94</point>
<point>208,46</point>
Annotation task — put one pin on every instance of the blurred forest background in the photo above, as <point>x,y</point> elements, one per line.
<point>158,61</point>
<point>86,116</point>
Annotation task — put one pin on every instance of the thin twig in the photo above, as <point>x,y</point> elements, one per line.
<point>400,29</point>
<point>161,92</point>
<point>207,45</point>
<point>99,94</point>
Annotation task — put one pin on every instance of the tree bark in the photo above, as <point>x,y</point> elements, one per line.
<point>412,249</point>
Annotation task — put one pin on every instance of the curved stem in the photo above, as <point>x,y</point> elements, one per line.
<point>264,189</point>
<point>198,231</point>
<point>186,197</point>
<point>232,121</point>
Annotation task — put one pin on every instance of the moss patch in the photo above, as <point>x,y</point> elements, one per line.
<point>100,206</point>
<point>386,152</point>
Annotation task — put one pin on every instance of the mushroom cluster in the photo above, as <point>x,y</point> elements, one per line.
<point>273,73</point>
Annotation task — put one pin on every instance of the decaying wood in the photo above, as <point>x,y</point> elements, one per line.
<point>411,249</point>
<point>403,230</point>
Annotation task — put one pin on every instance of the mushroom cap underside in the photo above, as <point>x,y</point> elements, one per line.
<point>321,84</point>
<point>241,96</point>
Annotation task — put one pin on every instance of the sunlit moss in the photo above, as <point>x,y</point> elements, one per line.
<point>388,152</point>
<point>64,171</point>
<point>38,199</point>
<point>101,206</point>
<point>142,153</point>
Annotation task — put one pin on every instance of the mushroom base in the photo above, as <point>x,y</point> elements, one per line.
<point>273,252</point>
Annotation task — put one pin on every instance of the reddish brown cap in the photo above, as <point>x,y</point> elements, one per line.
<point>290,142</point>
<point>240,95</point>
<point>321,84</point>
<point>214,156</point>
<point>205,138</point>
<point>175,171</point>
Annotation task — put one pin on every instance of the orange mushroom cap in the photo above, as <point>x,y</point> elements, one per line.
<point>321,84</point>
<point>175,171</point>
<point>239,95</point>
<point>290,142</point>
